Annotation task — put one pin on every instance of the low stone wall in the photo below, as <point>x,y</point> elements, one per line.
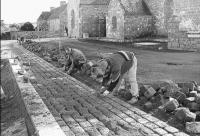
<point>182,40</point>
<point>34,34</point>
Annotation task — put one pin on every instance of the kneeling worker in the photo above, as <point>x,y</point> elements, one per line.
<point>74,59</point>
<point>114,68</point>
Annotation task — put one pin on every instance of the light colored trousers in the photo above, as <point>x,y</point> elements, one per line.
<point>130,79</point>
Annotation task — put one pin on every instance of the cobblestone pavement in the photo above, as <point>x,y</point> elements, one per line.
<point>80,112</point>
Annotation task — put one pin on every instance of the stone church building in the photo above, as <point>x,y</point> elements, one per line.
<point>87,16</point>
<point>57,21</point>
<point>128,19</point>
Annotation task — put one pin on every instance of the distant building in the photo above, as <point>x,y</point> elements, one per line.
<point>87,16</point>
<point>128,19</point>
<point>57,20</point>
<point>42,24</point>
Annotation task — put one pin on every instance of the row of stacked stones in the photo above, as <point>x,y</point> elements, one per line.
<point>182,100</point>
<point>49,54</point>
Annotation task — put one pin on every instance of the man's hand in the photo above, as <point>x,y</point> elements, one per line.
<point>103,89</point>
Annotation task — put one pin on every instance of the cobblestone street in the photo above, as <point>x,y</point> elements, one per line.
<point>80,112</point>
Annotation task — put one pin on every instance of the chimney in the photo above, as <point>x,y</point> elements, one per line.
<point>62,3</point>
<point>51,8</point>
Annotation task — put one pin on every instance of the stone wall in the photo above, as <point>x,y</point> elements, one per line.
<point>138,26</point>
<point>73,5</point>
<point>33,34</point>
<point>188,12</point>
<point>182,40</point>
<point>115,9</point>
<point>54,25</point>
<point>156,7</point>
<point>63,22</point>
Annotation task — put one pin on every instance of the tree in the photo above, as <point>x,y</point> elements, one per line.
<point>27,27</point>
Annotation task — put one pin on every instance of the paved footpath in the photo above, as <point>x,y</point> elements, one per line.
<point>79,112</point>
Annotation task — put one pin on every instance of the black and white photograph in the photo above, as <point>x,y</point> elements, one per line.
<point>100,68</point>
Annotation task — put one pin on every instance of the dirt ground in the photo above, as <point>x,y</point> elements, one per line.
<point>153,65</point>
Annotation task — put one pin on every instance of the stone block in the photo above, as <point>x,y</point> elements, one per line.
<point>171,105</point>
<point>160,131</point>
<point>184,115</point>
<point>197,98</point>
<point>197,116</point>
<point>193,94</point>
<point>193,127</point>
<point>179,96</point>
<point>149,93</point>
<point>185,90</point>
<point>193,106</point>
<point>171,129</point>
<point>187,85</point>
<point>148,106</point>
<point>143,100</point>
<point>143,89</point>
<point>188,100</point>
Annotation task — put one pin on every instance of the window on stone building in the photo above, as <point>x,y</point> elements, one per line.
<point>114,22</point>
<point>72,19</point>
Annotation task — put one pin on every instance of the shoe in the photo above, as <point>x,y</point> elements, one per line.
<point>133,100</point>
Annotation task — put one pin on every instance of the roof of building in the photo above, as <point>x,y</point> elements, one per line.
<point>95,2</point>
<point>4,29</point>
<point>57,11</point>
<point>134,7</point>
<point>44,15</point>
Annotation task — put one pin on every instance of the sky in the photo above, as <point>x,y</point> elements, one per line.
<point>20,11</point>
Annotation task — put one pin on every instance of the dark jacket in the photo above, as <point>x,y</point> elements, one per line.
<point>118,64</point>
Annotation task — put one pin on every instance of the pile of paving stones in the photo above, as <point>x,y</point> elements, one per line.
<point>49,54</point>
<point>180,100</point>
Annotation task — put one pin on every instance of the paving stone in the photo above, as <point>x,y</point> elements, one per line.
<point>142,121</point>
<point>146,130</point>
<point>171,129</point>
<point>150,118</point>
<point>148,106</point>
<point>151,125</point>
<point>197,98</point>
<point>193,94</point>
<point>161,124</point>
<point>180,134</point>
<point>179,96</point>
<point>193,106</point>
<point>149,93</point>
<point>160,131</point>
<point>85,124</point>
<point>168,135</point>
<point>188,85</point>
<point>193,127</point>
<point>184,114</point>
<point>171,105</point>
<point>92,131</point>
